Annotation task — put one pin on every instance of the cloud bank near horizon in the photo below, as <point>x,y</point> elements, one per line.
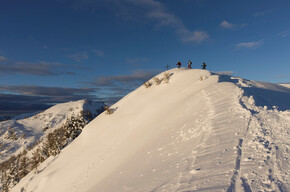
<point>17,99</point>
<point>40,68</point>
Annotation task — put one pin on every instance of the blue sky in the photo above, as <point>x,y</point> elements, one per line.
<point>60,50</point>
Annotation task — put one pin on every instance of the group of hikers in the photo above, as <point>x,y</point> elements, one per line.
<point>203,66</point>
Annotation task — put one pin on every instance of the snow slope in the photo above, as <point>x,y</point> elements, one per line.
<point>286,85</point>
<point>199,132</point>
<point>22,131</point>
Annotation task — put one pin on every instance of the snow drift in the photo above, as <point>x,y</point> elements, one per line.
<point>198,132</point>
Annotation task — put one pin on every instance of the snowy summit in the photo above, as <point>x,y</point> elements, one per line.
<point>183,130</point>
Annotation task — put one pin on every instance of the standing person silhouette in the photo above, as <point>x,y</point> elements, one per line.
<point>189,64</point>
<point>203,65</point>
<point>178,64</point>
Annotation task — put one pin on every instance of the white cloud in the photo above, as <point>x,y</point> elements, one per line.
<point>263,13</point>
<point>225,24</point>
<point>153,10</point>
<point>98,52</point>
<point>252,44</point>
<point>164,18</point>
<point>195,36</point>
<point>29,68</point>
<point>3,58</point>
<point>284,34</point>
<point>79,57</point>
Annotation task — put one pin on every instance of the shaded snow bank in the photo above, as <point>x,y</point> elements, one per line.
<point>264,94</point>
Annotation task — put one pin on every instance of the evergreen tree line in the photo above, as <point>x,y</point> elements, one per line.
<point>17,167</point>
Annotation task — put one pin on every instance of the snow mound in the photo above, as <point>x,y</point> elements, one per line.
<point>197,132</point>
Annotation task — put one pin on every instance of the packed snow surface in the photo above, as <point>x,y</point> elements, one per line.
<point>198,132</point>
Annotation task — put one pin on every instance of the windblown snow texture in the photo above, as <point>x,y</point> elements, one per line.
<point>198,132</point>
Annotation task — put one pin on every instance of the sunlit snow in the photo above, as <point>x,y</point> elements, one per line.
<point>198,132</point>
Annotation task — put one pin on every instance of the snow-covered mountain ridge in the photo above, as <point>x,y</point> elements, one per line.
<point>198,132</point>
<point>19,133</point>
<point>286,85</point>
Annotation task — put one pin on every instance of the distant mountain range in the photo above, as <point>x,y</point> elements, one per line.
<point>285,84</point>
<point>24,130</point>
